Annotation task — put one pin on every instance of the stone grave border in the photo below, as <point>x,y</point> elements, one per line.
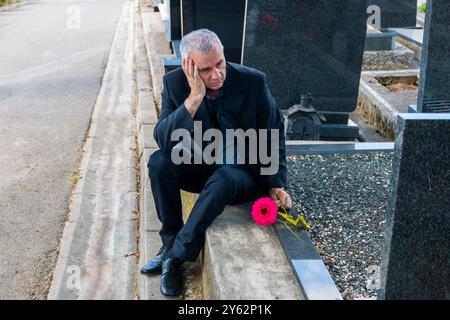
<point>302,255</point>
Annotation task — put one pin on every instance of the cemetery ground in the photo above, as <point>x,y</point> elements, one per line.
<point>111,228</point>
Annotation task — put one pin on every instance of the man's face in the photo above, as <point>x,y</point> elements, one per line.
<point>211,67</point>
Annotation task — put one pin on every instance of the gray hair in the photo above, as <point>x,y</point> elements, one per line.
<point>200,40</point>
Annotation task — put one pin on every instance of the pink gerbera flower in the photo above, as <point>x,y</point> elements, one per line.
<point>264,211</point>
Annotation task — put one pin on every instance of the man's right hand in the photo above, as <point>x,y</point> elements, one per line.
<point>198,88</point>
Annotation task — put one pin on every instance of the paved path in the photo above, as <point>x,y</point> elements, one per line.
<point>51,70</point>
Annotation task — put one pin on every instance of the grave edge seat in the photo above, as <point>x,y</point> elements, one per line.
<point>241,260</point>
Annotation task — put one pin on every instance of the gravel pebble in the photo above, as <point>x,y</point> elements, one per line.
<point>345,198</point>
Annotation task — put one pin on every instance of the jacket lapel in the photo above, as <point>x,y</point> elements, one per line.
<point>232,97</point>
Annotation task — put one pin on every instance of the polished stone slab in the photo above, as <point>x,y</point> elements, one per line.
<point>308,45</point>
<point>416,258</point>
<point>396,13</point>
<point>174,16</point>
<point>301,149</point>
<point>311,273</point>
<point>226,18</point>
<point>316,282</point>
<point>434,93</point>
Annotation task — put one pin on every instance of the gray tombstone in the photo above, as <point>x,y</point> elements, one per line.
<point>434,89</point>
<point>395,13</point>
<point>416,259</point>
<point>310,46</point>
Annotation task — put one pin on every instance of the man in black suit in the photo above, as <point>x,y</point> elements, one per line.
<point>220,96</point>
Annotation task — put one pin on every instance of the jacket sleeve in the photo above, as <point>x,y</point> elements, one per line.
<point>270,118</point>
<point>171,117</point>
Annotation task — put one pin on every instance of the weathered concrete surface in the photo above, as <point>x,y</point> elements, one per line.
<point>379,105</point>
<point>50,76</point>
<point>146,118</point>
<point>149,240</point>
<point>98,255</point>
<point>156,45</point>
<point>242,260</point>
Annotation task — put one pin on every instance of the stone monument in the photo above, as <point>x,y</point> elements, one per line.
<point>416,259</point>
<point>434,89</point>
<point>394,13</point>
<point>225,18</point>
<point>310,46</point>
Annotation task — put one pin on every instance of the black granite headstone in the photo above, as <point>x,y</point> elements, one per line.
<point>416,259</point>
<point>174,19</point>
<point>225,18</point>
<point>309,46</point>
<point>396,13</point>
<point>434,89</point>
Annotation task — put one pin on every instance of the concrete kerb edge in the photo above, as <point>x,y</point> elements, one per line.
<point>209,285</point>
<point>146,108</point>
<point>155,57</point>
<point>146,118</point>
<point>387,113</point>
<point>148,236</point>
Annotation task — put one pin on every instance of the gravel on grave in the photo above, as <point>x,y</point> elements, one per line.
<point>345,199</point>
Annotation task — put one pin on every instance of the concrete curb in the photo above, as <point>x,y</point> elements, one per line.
<point>381,114</point>
<point>156,45</point>
<point>146,118</point>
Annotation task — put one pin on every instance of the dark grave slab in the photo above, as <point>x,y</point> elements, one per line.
<point>309,46</point>
<point>341,148</point>
<point>225,18</point>
<point>311,273</point>
<point>396,13</point>
<point>434,93</point>
<point>416,257</point>
<point>174,15</point>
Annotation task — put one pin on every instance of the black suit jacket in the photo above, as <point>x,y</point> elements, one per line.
<point>247,103</point>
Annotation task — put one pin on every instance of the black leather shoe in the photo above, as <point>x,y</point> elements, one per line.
<point>155,265</point>
<point>172,277</point>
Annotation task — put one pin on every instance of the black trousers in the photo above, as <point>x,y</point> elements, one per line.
<point>217,187</point>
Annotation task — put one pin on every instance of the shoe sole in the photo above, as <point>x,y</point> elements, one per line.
<point>151,273</point>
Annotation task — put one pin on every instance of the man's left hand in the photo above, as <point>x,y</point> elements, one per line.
<point>282,195</point>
